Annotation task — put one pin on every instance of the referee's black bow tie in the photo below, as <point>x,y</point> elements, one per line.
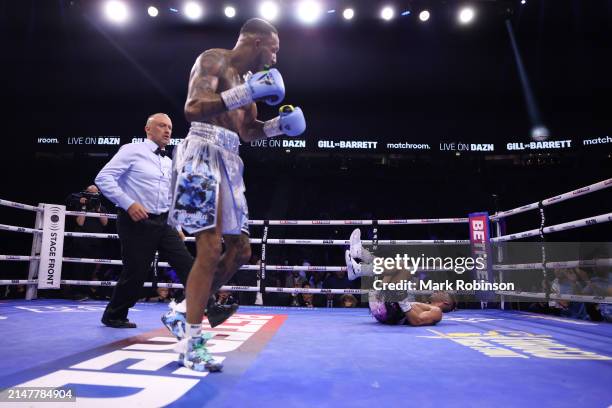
<point>161,152</point>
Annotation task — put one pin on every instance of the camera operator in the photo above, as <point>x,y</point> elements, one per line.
<point>88,200</point>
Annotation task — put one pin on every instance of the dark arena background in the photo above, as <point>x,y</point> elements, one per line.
<point>475,107</point>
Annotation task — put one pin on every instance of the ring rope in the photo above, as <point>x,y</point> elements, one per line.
<point>556,296</point>
<point>91,214</point>
<point>14,228</point>
<point>286,268</point>
<point>534,295</point>
<point>599,219</point>
<point>302,241</point>
<point>21,206</point>
<point>553,200</point>
<point>588,263</point>
<point>415,221</point>
<point>114,283</point>
<point>271,289</point>
<point>363,222</point>
<point>18,258</point>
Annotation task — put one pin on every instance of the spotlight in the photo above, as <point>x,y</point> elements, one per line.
<point>405,13</point>
<point>268,10</point>
<point>153,12</point>
<point>424,15</point>
<point>116,11</point>
<point>309,11</point>
<point>230,12</point>
<point>539,133</point>
<point>523,1</point>
<point>387,13</point>
<point>348,14</point>
<point>466,15</point>
<point>193,10</point>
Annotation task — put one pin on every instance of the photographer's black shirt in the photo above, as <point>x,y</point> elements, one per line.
<point>91,224</point>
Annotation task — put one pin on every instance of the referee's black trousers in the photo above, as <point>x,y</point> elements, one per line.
<point>139,241</point>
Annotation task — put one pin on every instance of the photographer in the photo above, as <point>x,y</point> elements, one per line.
<point>88,200</point>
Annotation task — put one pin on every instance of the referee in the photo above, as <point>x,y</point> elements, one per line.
<point>137,179</point>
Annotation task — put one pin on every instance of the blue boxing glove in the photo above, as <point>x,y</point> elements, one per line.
<point>290,122</point>
<point>264,85</point>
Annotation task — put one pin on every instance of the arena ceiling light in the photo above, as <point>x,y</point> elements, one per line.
<point>387,13</point>
<point>230,12</point>
<point>116,11</point>
<point>540,132</point>
<point>153,11</point>
<point>269,10</point>
<point>309,11</point>
<point>348,14</point>
<point>424,15</point>
<point>466,15</point>
<point>193,10</point>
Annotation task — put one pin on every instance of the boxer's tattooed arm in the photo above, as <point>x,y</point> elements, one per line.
<point>202,100</point>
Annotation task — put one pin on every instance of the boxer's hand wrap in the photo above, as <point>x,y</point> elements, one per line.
<point>290,122</point>
<point>264,85</point>
<point>405,305</point>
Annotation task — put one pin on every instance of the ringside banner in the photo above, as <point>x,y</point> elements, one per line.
<point>393,145</point>
<point>481,248</point>
<point>52,249</point>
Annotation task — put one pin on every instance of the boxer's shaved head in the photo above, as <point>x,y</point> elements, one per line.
<point>443,300</point>
<point>257,44</point>
<point>258,26</point>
